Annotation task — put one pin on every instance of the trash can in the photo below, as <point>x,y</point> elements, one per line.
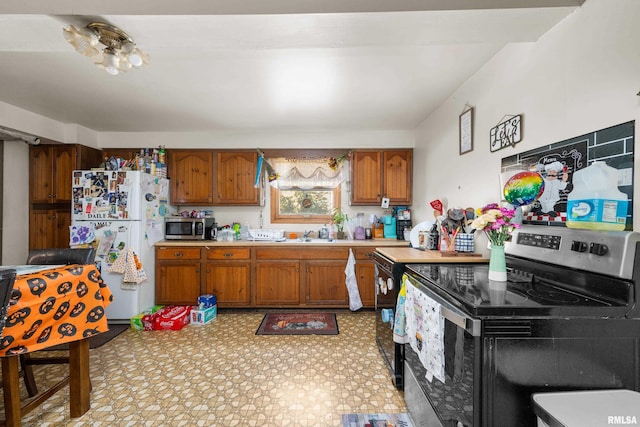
<point>594,408</point>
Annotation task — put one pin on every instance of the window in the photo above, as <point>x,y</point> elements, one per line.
<point>306,191</point>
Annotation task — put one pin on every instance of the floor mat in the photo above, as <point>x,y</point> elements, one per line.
<point>311,323</point>
<point>96,340</point>
<point>376,420</point>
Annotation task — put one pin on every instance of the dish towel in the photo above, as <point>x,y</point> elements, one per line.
<point>355,303</point>
<point>400,325</point>
<point>128,264</point>
<point>425,331</point>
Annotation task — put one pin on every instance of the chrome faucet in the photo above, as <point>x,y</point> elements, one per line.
<point>305,235</point>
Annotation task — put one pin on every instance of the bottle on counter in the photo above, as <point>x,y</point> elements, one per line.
<point>434,238</point>
<point>161,155</point>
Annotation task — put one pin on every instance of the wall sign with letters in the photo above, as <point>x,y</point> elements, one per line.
<point>506,134</point>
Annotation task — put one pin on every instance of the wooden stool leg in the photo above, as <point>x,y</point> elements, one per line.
<point>27,372</point>
<point>11,388</point>
<point>79,382</point>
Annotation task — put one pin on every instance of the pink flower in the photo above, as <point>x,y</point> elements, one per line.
<point>495,222</point>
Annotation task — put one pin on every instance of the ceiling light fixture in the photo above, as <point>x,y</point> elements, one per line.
<point>119,53</point>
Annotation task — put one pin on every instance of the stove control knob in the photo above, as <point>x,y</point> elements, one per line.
<point>598,249</point>
<point>578,246</point>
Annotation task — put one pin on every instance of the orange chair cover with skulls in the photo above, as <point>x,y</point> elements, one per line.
<point>55,306</point>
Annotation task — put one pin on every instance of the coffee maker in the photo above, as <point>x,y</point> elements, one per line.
<point>390,228</point>
<point>403,220</point>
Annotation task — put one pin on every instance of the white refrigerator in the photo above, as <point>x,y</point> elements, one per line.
<point>115,211</point>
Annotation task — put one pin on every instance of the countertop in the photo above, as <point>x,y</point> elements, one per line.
<point>416,256</point>
<point>289,243</point>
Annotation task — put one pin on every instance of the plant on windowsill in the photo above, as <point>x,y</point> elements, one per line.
<point>338,219</point>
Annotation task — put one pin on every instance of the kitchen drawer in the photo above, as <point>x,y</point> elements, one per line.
<point>364,253</point>
<point>229,253</point>
<point>301,253</point>
<point>177,253</point>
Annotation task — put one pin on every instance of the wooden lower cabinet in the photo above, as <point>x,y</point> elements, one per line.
<point>228,275</point>
<point>277,283</point>
<point>177,275</point>
<point>269,276</point>
<point>366,276</point>
<point>49,228</point>
<point>311,276</point>
<point>325,282</point>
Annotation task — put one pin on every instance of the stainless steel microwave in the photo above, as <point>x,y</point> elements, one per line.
<point>180,228</point>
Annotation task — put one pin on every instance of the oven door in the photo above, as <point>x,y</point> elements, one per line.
<point>456,401</point>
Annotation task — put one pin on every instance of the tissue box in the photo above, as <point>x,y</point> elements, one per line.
<point>171,317</point>
<point>202,317</point>
<point>143,321</point>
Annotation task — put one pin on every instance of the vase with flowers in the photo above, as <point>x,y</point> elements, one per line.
<point>496,222</point>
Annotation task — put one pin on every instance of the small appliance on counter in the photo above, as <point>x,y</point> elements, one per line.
<point>390,227</point>
<point>403,221</point>
<point>402,225</point>
<point>187,228</point>
<point>359,233</point>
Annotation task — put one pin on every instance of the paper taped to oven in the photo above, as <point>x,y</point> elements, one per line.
<point>425,331</point>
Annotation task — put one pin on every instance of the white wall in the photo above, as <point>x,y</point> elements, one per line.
<point>23,120</point>
<point>15,220</point>
<point>580,77</point>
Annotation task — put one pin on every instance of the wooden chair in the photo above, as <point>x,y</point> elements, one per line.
<point>53,256</point>
<point>60,256</point>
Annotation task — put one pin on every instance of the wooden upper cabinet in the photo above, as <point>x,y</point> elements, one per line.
<point>381,173</point>
<point>191,174</point>
<point>397,176</point>
<point>366,180</point>
<point>64,159</point>
<point>41,174</point>
<point>50,169</point>
<point>235,176</point>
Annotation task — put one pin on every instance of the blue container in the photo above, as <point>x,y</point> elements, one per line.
<point>206,301</point>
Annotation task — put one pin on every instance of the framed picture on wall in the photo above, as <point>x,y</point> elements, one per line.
<point>466,130</point>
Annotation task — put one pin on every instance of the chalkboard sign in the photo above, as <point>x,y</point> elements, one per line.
<point>557,162</point>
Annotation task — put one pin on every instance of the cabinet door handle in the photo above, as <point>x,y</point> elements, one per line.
<point>178,254</point>
<point>228,254</point>
<point>197,270</point>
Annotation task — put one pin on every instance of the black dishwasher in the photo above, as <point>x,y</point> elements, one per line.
<point>388,279</point>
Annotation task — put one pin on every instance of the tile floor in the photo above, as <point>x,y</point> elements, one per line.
<point>222,374</point>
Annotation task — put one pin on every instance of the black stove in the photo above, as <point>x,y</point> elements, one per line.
<point>566,319</point>
<point>531,289</point>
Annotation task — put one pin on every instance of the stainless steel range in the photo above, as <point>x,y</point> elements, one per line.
<point>567,319</point>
